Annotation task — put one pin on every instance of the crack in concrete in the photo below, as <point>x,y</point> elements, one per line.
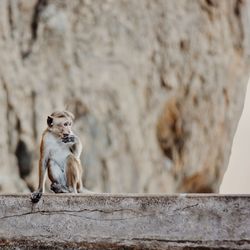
<point>71,213</point>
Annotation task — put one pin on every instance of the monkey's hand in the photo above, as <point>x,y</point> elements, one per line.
<point>68,139</point>
<point>58,188</point>
<point>36,196</point>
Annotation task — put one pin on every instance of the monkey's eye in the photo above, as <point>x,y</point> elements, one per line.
<point>65,124</point>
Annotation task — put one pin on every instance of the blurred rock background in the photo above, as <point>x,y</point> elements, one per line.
<point>237,176</point>
<point>157,88</point>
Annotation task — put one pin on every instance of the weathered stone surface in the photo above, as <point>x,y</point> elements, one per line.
<point>157,88</point>
<point>129,221</point>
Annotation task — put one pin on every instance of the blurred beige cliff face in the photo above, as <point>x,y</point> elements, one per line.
<point>237,176</point>
<point>157,88</point>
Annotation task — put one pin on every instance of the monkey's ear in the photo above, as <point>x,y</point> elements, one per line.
<point>50,121</point>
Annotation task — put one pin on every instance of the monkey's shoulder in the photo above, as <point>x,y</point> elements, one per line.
<point>50,140</point>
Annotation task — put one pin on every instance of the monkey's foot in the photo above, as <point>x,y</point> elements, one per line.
<point>58,188</point>
<point>85,191</point>
<point>36,196</point>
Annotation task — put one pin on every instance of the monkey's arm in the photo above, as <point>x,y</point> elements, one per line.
<point>76,148</point>
<point>74,143</point>
<point>43,164</point>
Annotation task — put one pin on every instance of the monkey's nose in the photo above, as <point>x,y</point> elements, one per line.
<point>65,135</point>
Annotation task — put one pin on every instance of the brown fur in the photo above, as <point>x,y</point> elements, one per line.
<point>41,184</point>
<point>73,173</point>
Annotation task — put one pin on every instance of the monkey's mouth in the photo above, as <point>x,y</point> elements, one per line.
<point>64,135</point>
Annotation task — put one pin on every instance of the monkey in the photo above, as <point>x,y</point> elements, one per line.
<point>60,151</point>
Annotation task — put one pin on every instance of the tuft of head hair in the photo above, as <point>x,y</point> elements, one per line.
<point>62,114</point>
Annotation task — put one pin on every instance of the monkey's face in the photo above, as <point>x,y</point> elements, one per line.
<point>61,127</point>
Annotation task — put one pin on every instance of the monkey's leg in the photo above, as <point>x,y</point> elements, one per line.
<point>79,185</point>
<point>57,177</point>
<point>72,173</point>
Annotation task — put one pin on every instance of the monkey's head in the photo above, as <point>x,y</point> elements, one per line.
<point>60,123</point>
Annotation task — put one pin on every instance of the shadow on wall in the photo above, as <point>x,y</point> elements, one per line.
<point>236,179</point>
